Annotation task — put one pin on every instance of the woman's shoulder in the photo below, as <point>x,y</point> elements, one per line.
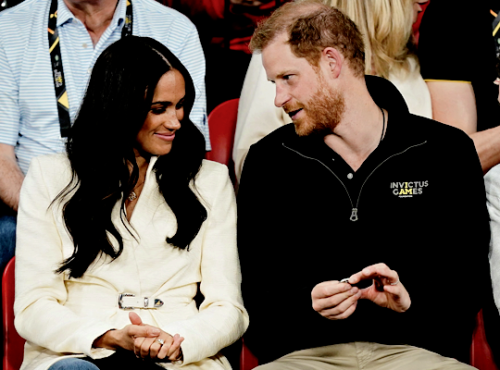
<point>212,171</point>
<point>53,167</point>
<point>212,178</point>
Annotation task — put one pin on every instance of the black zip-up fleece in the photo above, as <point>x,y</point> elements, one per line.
<point>421,209</point>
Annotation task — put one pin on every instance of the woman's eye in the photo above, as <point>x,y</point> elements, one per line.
<point>157,110</point>
<point>180,104</point>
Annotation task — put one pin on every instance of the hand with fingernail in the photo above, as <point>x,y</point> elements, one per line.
<point>386,290</point>
<point>144,340</point>
<point>335,300</point>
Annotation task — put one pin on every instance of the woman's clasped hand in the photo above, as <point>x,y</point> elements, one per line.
<point>144,340</point>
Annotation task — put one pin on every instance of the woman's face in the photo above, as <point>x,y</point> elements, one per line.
<point>166,113</point>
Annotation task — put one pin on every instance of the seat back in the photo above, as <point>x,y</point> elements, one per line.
<point>222,126</point>
<point>480,352</point>
<point>13,344</point>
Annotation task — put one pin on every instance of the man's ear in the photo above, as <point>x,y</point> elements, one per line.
<point>333,60</point>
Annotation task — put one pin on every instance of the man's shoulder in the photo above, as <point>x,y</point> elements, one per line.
<point>163,16</point>
<point>276,138</point>
<point>15,19</point>
<point>436,132</point>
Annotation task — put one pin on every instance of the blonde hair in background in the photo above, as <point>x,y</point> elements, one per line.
<point>386,26</point>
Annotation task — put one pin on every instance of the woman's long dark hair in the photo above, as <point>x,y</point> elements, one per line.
<point>100,150</point>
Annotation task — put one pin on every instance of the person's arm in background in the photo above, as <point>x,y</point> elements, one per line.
<point>458,81</point>
<point>11,176</point>
<point>454,103</point>
<point>257,114</point>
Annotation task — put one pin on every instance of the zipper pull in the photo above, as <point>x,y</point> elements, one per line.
<point>354,215</point>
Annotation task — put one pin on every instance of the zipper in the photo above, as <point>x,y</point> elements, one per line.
<point>354,209</point>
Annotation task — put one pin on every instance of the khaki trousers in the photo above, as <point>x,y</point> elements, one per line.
<point>365,356</point>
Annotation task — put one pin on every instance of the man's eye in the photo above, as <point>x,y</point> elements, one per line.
<point>287,77</point>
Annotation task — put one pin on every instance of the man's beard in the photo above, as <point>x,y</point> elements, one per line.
<point>323,112</point>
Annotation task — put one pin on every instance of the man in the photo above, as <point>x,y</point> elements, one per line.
<point>32,120</point>
<point>355,189</point>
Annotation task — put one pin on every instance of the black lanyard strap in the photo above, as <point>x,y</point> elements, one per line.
<point>57,65</point>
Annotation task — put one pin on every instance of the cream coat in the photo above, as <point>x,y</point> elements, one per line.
<point>492,184</point>
<point>60,316</point>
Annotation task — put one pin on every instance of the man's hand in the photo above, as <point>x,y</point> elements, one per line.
<point>335,300</point>
<point>386,290</point>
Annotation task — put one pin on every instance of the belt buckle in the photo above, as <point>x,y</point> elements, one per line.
<point>120,301</point>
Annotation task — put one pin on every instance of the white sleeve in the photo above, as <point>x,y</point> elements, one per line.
<point>222,319</point>
<point>492,183</point>
<point>40,316</point>
<point>257,114</point>
<point>10,114</point>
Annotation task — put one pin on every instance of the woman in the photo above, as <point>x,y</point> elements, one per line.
<point>116,236</point>
<point>386,26</point>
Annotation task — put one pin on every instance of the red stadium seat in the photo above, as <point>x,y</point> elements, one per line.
<point>222,125</point>
<point>247,360</point>
<point>13,344</point>
<point>480,351</point>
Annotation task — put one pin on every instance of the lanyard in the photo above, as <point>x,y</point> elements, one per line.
<point>57,66</point>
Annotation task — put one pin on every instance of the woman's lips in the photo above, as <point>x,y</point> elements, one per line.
<point>165,136</point>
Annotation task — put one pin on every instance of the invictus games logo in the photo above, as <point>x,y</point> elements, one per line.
<point>408,189</point>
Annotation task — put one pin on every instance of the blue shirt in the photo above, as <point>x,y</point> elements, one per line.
<point>28,111</point>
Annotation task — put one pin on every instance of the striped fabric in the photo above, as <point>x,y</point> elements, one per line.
<point>28,109</point>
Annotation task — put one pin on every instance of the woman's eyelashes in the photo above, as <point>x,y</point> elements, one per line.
<point>161,107</point>
<point>159,110</point>
<point>180,104</point>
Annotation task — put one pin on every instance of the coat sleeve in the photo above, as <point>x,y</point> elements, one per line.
<point>492,182</point>
<point>257,115</point>
<point>40,316</point>
<point>222,319</point>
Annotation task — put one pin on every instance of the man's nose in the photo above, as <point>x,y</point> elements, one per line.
<point>282,96</point>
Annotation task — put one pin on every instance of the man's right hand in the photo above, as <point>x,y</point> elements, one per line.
<point>335,300</point>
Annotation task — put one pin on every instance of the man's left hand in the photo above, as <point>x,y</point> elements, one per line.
<point>386,290</point>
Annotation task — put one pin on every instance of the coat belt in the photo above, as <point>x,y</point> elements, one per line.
<point>128,301</point>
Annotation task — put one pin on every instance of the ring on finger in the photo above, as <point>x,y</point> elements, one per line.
<point>161,341</point>
<point>396,283</point>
